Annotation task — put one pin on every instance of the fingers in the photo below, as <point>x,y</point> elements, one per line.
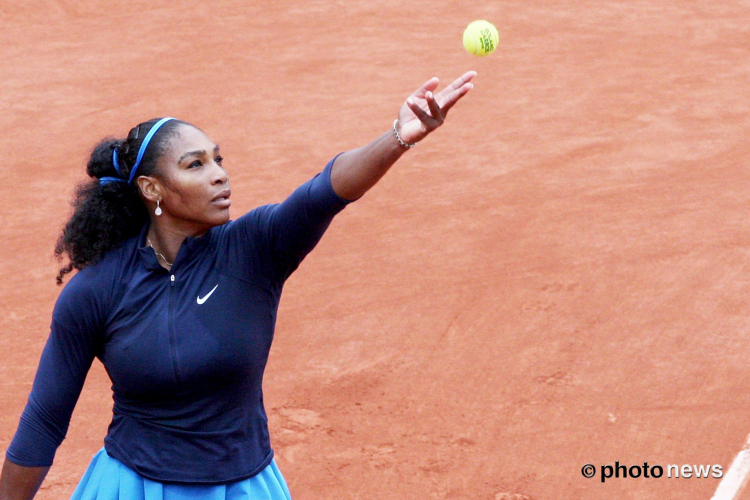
<point>454,96</point>
<point>428,86</point>
<point>457,84</point>
<point>435,111</point>
<point>463,79</point>
<point>438,104</point>
<point>429,122</point>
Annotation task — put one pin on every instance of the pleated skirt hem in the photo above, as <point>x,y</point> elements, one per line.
<point>109,479</point>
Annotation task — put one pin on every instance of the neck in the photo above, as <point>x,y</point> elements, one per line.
<point>166,239</point>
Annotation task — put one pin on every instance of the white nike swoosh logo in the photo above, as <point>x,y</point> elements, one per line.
<point>202,300</point>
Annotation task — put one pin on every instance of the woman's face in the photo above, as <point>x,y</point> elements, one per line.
<point>195,187</point>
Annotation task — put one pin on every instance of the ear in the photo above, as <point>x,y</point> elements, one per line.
<point>151,188</point>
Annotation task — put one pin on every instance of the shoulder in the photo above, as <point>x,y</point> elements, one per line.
<point>257,215</point>
<point>248,225</point>
<point>95,283</point>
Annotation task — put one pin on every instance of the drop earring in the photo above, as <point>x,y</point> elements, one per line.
<point>158,208</point>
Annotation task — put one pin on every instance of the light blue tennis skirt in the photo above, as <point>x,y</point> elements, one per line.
<point>109,479</point>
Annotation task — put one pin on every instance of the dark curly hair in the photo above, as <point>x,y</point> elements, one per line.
<point>106,215</point>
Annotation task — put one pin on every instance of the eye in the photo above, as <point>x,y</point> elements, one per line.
<point>195,164</point>
<point>219,159</point>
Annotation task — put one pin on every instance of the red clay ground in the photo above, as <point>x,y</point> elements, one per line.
<point>557,277</point>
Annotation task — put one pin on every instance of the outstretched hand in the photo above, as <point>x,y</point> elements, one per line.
<point>424,111</point>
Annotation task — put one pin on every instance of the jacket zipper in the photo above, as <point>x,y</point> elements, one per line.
<point>172,333</point>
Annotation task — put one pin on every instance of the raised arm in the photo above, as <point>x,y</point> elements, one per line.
<point>358,170</point>
<point>291,229</point>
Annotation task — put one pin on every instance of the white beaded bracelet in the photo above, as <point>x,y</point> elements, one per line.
<point>399,137</point>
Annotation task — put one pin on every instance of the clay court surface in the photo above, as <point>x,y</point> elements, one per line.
<point>558,276</point>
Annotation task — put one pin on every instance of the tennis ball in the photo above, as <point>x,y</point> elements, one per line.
<point>481,38</point>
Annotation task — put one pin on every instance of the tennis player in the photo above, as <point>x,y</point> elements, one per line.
<point>179,303</point>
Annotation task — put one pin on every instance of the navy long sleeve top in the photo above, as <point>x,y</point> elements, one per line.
<point>185,349</point>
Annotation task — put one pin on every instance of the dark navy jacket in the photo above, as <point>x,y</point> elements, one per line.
<point>185,349</point>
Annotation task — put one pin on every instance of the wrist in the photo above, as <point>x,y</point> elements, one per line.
<point>397,134</point>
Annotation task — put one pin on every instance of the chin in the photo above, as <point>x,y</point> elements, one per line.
<point>220,219</point>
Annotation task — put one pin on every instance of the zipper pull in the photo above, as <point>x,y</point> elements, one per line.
<point>171,278</point>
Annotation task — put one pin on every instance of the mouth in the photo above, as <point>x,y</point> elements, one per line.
<point>222,199</point>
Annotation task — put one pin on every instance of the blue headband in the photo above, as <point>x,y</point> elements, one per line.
<point>141,152</point>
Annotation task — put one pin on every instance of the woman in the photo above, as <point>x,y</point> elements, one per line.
<point>179,304</point>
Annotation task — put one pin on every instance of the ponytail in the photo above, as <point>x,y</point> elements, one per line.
<point>106,213</point>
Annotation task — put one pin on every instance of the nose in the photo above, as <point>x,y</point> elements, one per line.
<point>219,175</point>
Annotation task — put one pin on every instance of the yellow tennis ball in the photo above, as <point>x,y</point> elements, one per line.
<point>481,38</point>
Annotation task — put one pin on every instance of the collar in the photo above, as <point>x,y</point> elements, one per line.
<point>189,248</point>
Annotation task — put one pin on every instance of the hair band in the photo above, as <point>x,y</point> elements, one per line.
<point>106,180</point>
<point>144,145</point>
<point>141,151</point>
<point>115,162</point>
